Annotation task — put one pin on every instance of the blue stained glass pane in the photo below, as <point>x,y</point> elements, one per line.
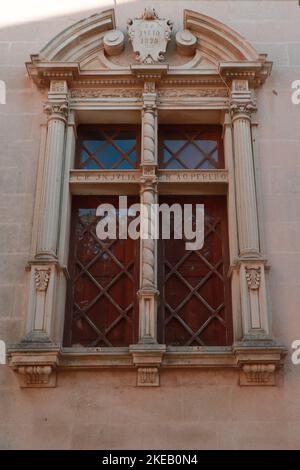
<point>109,154</point>
<point>109,157</point>
<point>174,165</point>
<point>206,145</point>
<point>191,156</point>
<point>174,145</point>
<point>125,144</point>
<point>215,156</point>
<point>206,165</point>
<point>133,157</point>
<point>166,156</point>
<point>92,165</point>
<point>93,145</point>
<point>125,165</point>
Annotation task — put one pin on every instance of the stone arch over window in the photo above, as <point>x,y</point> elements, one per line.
<point>96,73</point>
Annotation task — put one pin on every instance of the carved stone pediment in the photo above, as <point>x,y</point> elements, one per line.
<point>149,36</point>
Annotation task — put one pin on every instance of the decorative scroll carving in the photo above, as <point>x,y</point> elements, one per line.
<point>41,278</point>
<point>149,36</point>
<point>113,42</point>
<point>148,377</point>
<point>240,108</point>
<point>149,133</point>
<point>148,197</point>
<point>106,93</point>
<point>194,93</point>
<point>258,374</point>
<point>186,42</point>
<point>253,276</point>
<point>36,376</point>
<point>59,110</point>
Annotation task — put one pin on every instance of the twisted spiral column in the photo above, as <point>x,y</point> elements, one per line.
<point>148,278</point>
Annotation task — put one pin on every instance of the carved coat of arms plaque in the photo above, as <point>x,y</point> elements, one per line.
<point>149,36</point>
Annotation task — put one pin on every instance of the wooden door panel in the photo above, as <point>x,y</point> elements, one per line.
<point>195,305</point>
<point>104,279</point>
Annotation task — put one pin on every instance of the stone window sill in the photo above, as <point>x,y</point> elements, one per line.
<point>37,366</point>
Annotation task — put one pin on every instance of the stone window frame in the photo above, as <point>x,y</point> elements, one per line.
<point>222,94</point>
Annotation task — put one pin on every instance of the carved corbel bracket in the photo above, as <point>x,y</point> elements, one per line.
<point>258,366</point>
<point>35,369</point>
<point>147,359</point>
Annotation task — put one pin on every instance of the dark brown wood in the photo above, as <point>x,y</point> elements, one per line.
<point>195,303</point>
<point>190,152</point>
<point>101,306</point>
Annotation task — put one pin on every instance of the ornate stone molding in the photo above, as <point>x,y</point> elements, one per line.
<point>253,276</point>
<point>65,63</point>
<point>39,367</point>
<point>192,176</point>
<point>106,93</point>
<point>113,42</point>
<point>239,110</point>
<point>147,360</point>
<point>258,374</point>
<point>148,377</point>
<point>193,93</point>
<point>149,36</point>
<point>41,277</point>
<point>35,370</point>
<point>186,42</point>
<point>57,110</point>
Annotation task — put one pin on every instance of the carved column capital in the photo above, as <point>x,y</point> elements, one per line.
<point>241,110</point>
<point>56,110</point>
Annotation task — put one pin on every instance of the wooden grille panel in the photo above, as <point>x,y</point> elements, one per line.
<point>104,280</point>
<point>195,292</point>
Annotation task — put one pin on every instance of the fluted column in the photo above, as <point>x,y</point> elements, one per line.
<point>250,264</point>
<point>48,235</point>
<point>45,266</point>
<point>245,179</point>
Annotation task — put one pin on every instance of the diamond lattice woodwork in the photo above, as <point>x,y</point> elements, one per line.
<point>195,295</point>
<point>104,280</point>
<point>106,147</point>
<point>191,147</point>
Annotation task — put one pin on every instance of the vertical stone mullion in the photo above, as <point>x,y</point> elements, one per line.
<point>147,354</point>
<point>148,277</point>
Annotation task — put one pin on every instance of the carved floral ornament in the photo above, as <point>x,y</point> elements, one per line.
<point>59,110</point>
<point>41,278</point>
<point>253,276</point>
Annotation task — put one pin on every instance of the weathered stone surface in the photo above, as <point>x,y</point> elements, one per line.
<point>191,408</point>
